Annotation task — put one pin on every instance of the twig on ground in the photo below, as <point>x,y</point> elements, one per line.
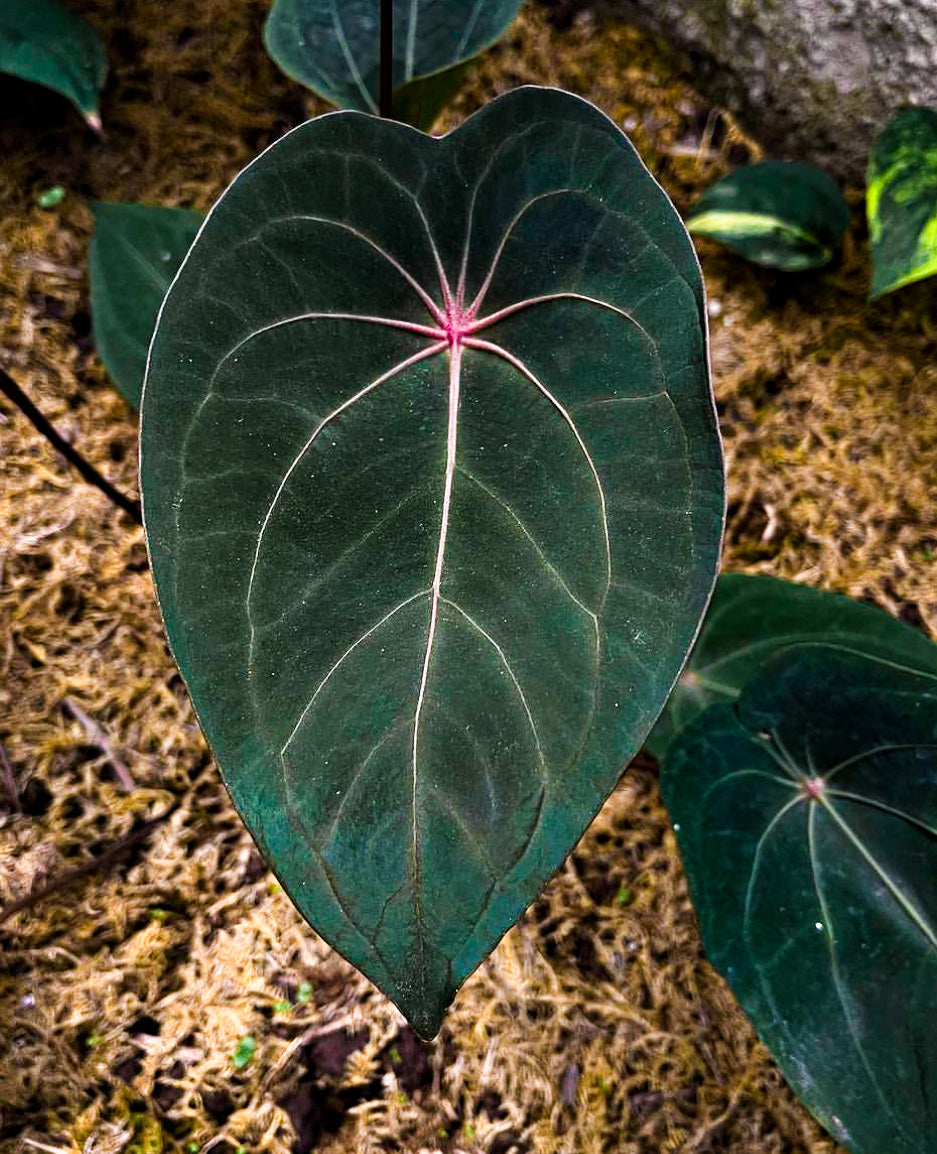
<point>95,865</point>
<point>98,738</point>
<point>90,474</point>
<point>43,1146</point>
<point>9,780</point>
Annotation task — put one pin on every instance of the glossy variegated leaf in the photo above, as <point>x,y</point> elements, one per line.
<point>136,250</point>
<point>807,820</point>
<point>752,619</point>
<point>902,201</point>
<point>780,214</point>
<point>433,491</point>
<point>332,47</point>
<point>46,42</point>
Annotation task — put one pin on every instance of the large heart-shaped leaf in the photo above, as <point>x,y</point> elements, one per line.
<point>136,250</point>
<point>807,819</point>
<point>902,201</point>
<point>781,214</point>
<point>43,41</point>
<point>433,491</point>
<point>752,619</point>
<point>332,48</point>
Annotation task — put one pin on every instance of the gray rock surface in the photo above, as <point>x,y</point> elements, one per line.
<point>811,79</point>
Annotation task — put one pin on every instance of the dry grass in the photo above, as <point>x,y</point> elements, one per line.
<point>596,1025</point>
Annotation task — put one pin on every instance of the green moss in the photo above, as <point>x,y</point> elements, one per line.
<point>147,1135</point>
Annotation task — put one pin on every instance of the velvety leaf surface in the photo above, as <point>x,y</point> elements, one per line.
<point>433,491</point>
<point>807,819</point>
<point>332,46</point>
<point>136,250</point>
<point>780,214</point>
<point>44,41</point>
<point>902,201</point>
<point>752,619</point>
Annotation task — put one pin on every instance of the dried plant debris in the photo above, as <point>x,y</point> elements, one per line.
<point>127,995</point>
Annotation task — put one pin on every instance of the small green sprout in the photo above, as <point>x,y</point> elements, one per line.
<point>93,1040</point>
<point>158,915</point>
<point>282,1007</point>
<point>244,1051</point>
<point>624,897</point>
<point>304,993</point>
<point>394,1056</point>
<point>51,197</point>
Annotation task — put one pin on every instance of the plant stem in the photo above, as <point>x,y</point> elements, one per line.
<point>89,473</point>
<point>94,865</point>
<point>386,75</point>
<point>98,738</point>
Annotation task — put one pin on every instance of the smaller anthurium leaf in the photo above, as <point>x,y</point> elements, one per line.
<point>333,48</point>
<point>43,41</point>
<point>902,201</point>
<point>807,820</point>
<point>780,214</point>
<point>136,250</point>
<point>752,619</point>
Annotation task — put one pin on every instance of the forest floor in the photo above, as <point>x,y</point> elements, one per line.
<point>130,997</point>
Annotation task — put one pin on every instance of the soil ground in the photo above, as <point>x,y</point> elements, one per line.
<point>127,995</point>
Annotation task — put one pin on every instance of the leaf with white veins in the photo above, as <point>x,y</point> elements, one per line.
<point>332,47</point>
<point>807,819</point>
<point>433,490</point>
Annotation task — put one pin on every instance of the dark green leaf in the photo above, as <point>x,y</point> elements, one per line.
<point>807,819</point>
<point>751,619</point>
<point>902,201</point>
<point>136,250</point>
<point>780,214</point>
<point>43,41</point>
<point>331,46</point>
<point>430,597</point>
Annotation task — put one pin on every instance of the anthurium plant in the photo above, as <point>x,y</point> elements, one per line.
<point>44,41</point>
<point>136,250</point>
<point>800,770</point>
<point>333,48</point>
<point>434,496</point>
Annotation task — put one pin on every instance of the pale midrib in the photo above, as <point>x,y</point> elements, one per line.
<point>456,349</point>
<point>842,996</point>
<point>432,350</point>
<point>369,100</point>
<point>452,437</point>
<point>411,39</point>
<point>348,652</point>
<point>152,274</point>
<point>469,29</point>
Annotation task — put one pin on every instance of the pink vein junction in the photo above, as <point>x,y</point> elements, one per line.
<point>454,327</point>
